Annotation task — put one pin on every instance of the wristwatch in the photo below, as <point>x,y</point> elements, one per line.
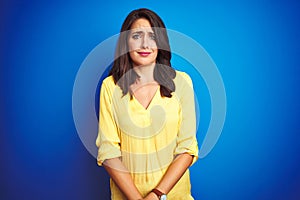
<point>159,194</point>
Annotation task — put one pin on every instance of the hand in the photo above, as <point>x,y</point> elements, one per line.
<point>151,196</point>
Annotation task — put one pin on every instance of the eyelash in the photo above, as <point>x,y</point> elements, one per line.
<point>153,37</point>
<point>137,36</point>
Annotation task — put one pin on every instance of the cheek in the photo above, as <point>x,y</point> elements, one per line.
<point>133,45</point>
<point>152,44</point>
<point>131,54</point>
<point>155,53</point>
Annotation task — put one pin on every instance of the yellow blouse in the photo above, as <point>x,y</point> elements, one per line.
<point>147,140</point>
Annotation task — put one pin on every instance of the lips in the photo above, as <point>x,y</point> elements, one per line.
<point>144,54</point>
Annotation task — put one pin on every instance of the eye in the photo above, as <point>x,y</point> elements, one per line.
<point>136,36</point>
<point>152,36</point>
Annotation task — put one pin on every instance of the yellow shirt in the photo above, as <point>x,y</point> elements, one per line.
<point>147,140</point>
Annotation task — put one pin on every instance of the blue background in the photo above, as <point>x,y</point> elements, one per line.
<point>255,45</point>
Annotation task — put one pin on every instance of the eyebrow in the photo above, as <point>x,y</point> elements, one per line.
<point>141,32</point>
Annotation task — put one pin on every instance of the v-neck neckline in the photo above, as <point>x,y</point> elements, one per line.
<point>151,101</point>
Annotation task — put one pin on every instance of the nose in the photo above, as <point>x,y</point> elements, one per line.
<point>145,42</point>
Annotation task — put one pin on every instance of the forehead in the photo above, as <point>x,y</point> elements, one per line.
<point>141,24</point>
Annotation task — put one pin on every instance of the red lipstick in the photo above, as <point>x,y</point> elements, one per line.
<point>144,54</point>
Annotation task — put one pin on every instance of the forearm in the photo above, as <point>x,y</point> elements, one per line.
<point>175,172</point>
<point>122,178</point>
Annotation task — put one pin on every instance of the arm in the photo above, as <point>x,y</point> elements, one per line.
<point>108,142</point>
<point>173,174</point>
<point>187,149</point>
<point>122,178</point>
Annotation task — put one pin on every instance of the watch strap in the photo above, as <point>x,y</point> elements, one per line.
<point>157,192</point>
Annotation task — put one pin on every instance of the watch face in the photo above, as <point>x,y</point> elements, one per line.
<point>163,197</point>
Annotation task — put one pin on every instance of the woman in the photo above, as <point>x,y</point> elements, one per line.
<point>147,128</point>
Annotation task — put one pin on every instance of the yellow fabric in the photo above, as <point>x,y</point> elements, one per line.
<point>147,140</point>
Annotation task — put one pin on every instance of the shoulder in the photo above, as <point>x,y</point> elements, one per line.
<point>108,84</point>
<point>184,86</point>
<point>108,80</point>
<point>182,78</point>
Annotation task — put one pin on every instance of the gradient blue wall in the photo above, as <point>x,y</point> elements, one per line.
<point>255,45</point>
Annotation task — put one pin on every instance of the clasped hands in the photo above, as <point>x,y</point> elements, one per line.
<point>150,196</point>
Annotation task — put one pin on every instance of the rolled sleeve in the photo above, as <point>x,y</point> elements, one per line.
<point>186,137</point>
<point>108,140</point>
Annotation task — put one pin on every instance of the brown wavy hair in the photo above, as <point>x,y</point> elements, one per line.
<point>163,71</point>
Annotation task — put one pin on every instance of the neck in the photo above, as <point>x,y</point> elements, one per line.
<point>145,72</point>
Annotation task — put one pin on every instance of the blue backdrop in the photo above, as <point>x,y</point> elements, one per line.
<point>255,45</point>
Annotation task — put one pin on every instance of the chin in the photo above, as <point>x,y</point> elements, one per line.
<point>140,64</point>
<point>144,64</point>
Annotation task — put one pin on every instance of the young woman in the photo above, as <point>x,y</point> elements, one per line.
<point>147,129</point>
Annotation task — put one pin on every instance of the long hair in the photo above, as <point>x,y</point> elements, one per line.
<point>163,71</point>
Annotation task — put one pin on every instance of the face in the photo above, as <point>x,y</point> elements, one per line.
<point>141,43</point>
